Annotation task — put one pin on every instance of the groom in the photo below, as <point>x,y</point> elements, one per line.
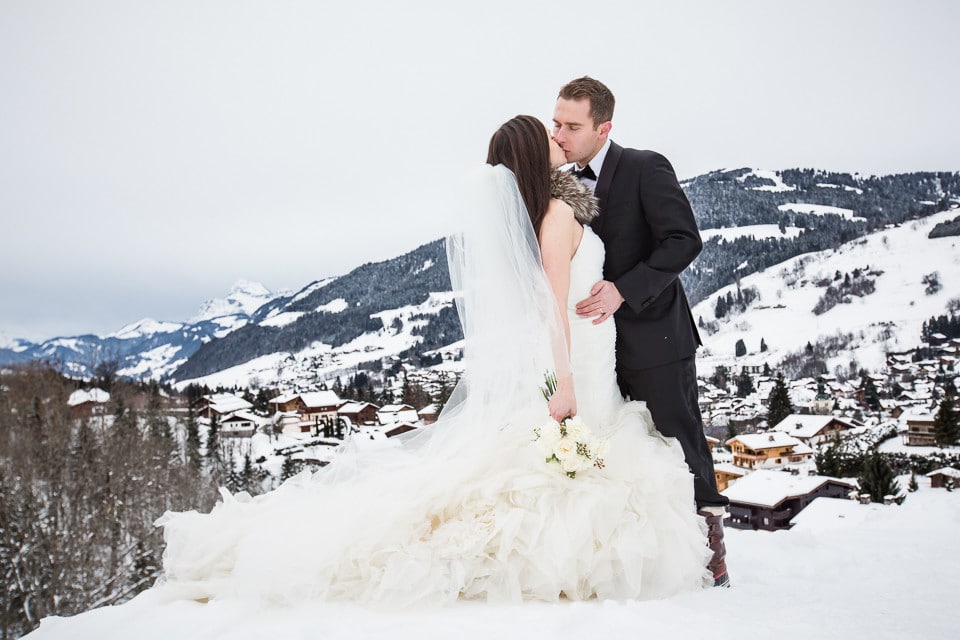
<point>650,236</point>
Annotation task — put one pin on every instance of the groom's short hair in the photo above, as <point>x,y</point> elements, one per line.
<point>600,97</point>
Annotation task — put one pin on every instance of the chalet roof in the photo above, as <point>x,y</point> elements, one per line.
<point>283,398</point>
<point>320,399</point>
<point>227,402</point>
<point>730,469</point>
<point>430,409</point>
<point>950,472</point>
<point>354,407</point>
<point>769,488</point>
<point>807,426</point>
<point>80,396</point>
<point>242,416</point>
<point>770,440</point>
<point>395,408</point>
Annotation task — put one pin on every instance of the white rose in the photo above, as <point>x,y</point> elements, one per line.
<point>571,464</point>
<point>565,448</point>
<point>577,430</point>
<point>549,436</point>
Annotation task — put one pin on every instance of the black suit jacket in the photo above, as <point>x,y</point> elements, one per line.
<point>650,235</point>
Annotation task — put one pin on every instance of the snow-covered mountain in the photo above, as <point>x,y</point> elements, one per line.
<point>792,237</point>
<point>331,326</point>
<point>244,299</point>
<point>872,294</point>
<point>147,348</point>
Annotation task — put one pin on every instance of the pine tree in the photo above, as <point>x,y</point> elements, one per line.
<point>247,474</point>
<point>763,345</point>
<point>871,397</point>
<point>913,486</point>
<point>289,469</point>
<point>828,462</point>
<point>744,385</point>
<point>740,349</point>
<point>946,423</point>
<point>778,402</point>
<point>720,310</point>
<point>720,377</point>
<point>192,444</point>
<point>877,479</point>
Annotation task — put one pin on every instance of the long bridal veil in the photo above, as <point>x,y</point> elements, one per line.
<point>367,496</point>
<point>512,330</point>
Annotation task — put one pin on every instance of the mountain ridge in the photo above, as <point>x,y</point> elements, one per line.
<point>751,219</point>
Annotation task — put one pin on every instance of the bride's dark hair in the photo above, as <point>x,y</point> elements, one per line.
<point>520,145</point>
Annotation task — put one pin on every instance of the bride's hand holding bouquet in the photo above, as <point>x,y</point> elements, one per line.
<point>561,400</point>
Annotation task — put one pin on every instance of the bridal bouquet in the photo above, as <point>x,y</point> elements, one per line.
<point>568,445</point>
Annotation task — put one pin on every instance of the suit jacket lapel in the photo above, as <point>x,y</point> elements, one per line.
<point>603,184</point>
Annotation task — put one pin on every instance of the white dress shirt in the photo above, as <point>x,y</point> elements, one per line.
<point>596,164</point>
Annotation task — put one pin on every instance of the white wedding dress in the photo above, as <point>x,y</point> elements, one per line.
<point>502,526</point>
<point>485,519</point>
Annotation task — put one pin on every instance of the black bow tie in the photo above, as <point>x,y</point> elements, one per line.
<point>586,172</point>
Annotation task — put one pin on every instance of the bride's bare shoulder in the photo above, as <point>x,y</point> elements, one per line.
<point>558,212</point>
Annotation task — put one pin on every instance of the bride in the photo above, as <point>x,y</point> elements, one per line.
<point>468,507</point>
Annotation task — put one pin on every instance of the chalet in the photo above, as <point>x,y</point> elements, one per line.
<point>288,422</point>
<point>286,402</point>
<point>393,413</point>
<point>920,431</point>
<point>812,429</point>
<point>769,499</point>
<point>84,403</point>
<point>947,477</point>
<point>712,443</point>
<point>322,404</point>
<point>746,420</point>
<point>220,405</point>
<point>239,425</point>
<point>752,450</point>
<point>429,414</point>
<point>726,474</point>
<point>358,412</point>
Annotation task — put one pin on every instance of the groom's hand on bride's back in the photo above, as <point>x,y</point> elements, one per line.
<point>603,302</point>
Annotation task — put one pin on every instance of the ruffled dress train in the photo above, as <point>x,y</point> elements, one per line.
<point>489,521</point>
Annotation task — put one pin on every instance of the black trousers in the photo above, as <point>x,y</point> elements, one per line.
<point>671,394</point>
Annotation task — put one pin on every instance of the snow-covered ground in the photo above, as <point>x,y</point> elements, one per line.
<point>819,210</point>
<point>845,571</point>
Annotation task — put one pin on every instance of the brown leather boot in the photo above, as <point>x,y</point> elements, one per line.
<point>718,562</point>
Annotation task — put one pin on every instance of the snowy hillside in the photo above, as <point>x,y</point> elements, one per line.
<point>845,571</point>
<point>896,262</point>
<point>319,362</point>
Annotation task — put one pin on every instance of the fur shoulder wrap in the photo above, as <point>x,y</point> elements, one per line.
<point>565,186</point>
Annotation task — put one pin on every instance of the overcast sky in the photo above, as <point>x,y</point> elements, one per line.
<point>152,153</point>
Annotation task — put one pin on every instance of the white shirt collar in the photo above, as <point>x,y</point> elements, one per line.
<point>597,163</point>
